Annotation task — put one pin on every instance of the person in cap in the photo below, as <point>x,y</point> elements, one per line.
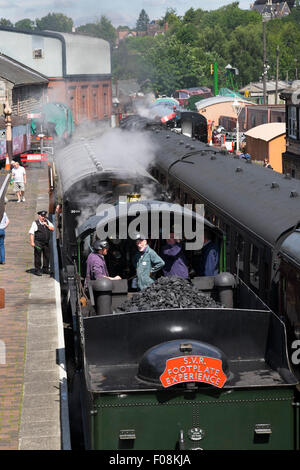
<point>40,234</point>
<point>96,266</point>
<point>147,262</point>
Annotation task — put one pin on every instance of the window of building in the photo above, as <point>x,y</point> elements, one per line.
<point>95,101</point>
<point>37,47</point>
<point>37,53</point>
<point>292,122</point>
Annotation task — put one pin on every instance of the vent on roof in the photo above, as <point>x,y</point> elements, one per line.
<point>239,169</point>
<point>274,185</point>
<point>294,194</point>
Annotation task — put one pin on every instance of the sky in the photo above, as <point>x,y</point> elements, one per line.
<point>119,12</point>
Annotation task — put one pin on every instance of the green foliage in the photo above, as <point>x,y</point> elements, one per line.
<point>102,28</point>
<point>55,22</point>
<point>26,24</point>
<point>143,21</point>
<point>173,65</point>
<point>5,22</point>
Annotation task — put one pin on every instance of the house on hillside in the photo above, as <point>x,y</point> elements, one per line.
<point>78,68</point>
<point>123,34</point>
<point>272,9</point>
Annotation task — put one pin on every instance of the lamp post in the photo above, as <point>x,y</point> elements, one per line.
<point>237,108</point>
<point>7,113</point>
<point>264,20</point>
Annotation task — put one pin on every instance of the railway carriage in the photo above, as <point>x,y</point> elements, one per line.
<point>256,208</point>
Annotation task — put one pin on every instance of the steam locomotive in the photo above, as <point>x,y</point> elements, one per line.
<point>172,378</point>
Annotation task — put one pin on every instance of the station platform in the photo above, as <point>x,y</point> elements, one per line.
<point>33,382</point>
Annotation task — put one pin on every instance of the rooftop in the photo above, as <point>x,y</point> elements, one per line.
<point>18,73</point>
<point>268,131</point>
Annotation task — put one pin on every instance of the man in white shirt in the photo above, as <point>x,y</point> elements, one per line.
<point>19,177</point>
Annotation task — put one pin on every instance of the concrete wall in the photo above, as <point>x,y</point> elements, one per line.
<point>84,55</point>
<point>87,55</point>
<point>21,47</point>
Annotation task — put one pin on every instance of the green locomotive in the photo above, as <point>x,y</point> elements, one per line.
<point>173,378</point>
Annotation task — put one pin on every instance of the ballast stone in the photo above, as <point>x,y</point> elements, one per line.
<point>169,292</point>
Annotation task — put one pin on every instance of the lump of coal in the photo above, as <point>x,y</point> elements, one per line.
<point>166,293</point>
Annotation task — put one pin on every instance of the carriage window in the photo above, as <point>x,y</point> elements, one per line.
<point>254,266</point>
<point>292,122</point>
<point>240,252</point>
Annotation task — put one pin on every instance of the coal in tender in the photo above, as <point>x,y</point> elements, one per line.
<point>166,293</point>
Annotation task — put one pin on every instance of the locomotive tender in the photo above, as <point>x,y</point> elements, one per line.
<point>176,378</point>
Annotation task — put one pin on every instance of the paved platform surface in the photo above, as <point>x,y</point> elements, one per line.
<point>32,377</point>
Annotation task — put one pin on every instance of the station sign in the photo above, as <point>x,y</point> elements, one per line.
<point>34,157</point>
<point>34,116</point>
<point>193,369</point>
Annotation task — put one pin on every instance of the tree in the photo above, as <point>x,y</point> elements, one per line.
<point>55,22</point>
<point>5,22</point>
<point>173,65</point>
<point>25,24</point>
<point>102,28</point>
<point>143,21</point>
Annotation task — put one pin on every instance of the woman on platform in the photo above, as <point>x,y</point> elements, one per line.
<point>3,224</point>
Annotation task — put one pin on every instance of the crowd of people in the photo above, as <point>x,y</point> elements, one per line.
<point>146,262</point>
<point>40,230</point>
<point>171,261</point>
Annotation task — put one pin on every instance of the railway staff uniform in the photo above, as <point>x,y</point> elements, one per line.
<point>40,234</point>
<point>146,262</point>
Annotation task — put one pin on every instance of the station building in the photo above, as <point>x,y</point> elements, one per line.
<point>78,68</point>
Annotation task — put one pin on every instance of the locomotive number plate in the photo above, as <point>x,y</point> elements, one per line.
<point>193,369</point>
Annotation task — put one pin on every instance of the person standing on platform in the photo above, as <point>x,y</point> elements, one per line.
<point>40,234</point>
<point>3,224</point>
<point>19,177</point>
